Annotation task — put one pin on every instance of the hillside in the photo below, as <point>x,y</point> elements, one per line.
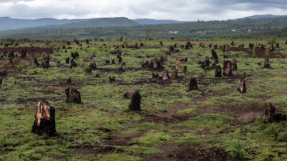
<point>263,16</point>
<point>153,21</point>
<point>123,27</point>
<point>8,23</point>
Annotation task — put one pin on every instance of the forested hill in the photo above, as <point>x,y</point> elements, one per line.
<point>132,30</point>
<point>7,23</point>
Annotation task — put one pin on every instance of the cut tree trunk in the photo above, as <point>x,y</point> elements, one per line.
<point>44,119</point>
<point>241,86</point>
<point>135,104</point>
<point>192,84</point>
<point>129,93</point>
<point>218,71</point>
<point>73,95</point>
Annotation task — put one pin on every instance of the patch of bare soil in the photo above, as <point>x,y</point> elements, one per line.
<point>120,139</point>
<point>184,153</point>
<point>36,52</point>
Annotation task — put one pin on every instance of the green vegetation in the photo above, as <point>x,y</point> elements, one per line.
<point>264,28</point>
<point>216,116</point>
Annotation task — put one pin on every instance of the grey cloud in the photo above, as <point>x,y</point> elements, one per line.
<point>187,10</point>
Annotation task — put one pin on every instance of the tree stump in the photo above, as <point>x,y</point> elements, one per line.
<point>112,79</point>
<point>44,120</point>
<point>36,62</point>
<point>192,84</point>
<point>73,95</point>
<point>184,71</point>
<point>3,72</point>
<point>227,68</point>
<point>218,71</point>
<point>129,93</point>
<point>93,65</point>
<point>174,74</point>
<point>177,64</point>
<point>45,64</point>
<point>234,64</point>
<point>135,104</point>
<point>214,55</point>
<point>165,75</point>
<point>266,63</point>
<point>121,68</point>
<point>1,81</point>
<point>155,74</point>
<point>241,86</point>
<point>269,113</point>
<point>69,81</point>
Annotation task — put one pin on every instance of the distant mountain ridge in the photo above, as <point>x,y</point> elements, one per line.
<point>7,23</point>
<point>147,21</point>
<point>262,16</point>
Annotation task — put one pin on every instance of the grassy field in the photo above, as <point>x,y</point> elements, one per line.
<point>215,122</point>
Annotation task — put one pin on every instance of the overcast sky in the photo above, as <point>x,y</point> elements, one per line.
<point>184,10</point>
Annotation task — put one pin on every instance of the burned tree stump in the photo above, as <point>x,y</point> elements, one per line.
<point>241,86</point>
<point>266,63</point>
<point>69,80</point>
<point>218,71</point>
<point>214,55</point>
<point>227,68</point>
<point>112,79</point>
<point>165,75</point>
<point>36,62</point>
<point>177,64</point>
<point>45,64</point>
<point>3,72</point>
<point>73,95</point>
<point>135,104</point>
<point>192,84</point>
<point>113,61</point>
<point>23,53</point>
<point>44,120</point>
<point>234,64</point>
<point>164,56</point>
<point>129,93</point>
<point>93,65</point>
<point>155,74</point>
<point>11,56</point>
<point>174,74</point>
<point>121,68</point>
<point>1,81</point>
<point>184,71</point>
<point>269,113</point>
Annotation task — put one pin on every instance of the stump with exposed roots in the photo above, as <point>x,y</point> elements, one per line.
<point>44,119</point>
<point>192,84</point>
<point>135,104</point>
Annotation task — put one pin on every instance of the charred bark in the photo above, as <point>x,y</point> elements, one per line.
<point>135,104</point>
<point>192,84</point>
<point>44,120</point>
<point>241,86</point>
<point>155,74</point>
<point>218,71</point>
<point>73,95</point>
